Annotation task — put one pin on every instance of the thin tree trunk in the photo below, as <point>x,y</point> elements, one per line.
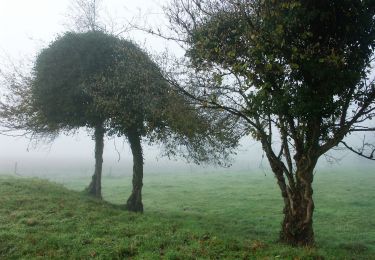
<point>134,203</point>
<point>95,187</point>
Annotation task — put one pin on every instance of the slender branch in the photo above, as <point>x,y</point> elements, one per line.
<point>360,151</point>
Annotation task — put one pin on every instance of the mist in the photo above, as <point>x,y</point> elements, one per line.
<point>28,26</point>
<point>74,155</point>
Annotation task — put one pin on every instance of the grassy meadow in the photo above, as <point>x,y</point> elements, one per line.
<point>187,216</point>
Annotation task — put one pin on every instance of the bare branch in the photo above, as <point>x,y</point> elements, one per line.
<point>362,150</point>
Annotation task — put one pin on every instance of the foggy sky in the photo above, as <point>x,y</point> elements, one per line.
<point>28,26</point>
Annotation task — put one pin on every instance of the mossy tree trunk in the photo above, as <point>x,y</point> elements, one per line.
<point>95,187</point>
<point>134,203</point>
<point>295,183</point>
<point>297,226</point>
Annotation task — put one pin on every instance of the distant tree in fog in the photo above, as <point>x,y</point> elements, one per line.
<point>85,15</point>
<point>99,81</point>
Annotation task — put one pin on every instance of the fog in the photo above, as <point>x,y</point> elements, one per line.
<point>27,26</point>
<point>74,155</point>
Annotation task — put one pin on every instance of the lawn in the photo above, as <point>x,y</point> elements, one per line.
<point>187,216</point>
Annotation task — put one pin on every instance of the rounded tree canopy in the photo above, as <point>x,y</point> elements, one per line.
<point>78,67</point>
<point>90,79</point>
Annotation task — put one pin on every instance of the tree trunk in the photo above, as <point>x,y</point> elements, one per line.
<point>134,202</point>
<point>95,187</point>
<point>297,226</point>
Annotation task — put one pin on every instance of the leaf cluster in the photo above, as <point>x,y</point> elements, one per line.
<point>301,56</point>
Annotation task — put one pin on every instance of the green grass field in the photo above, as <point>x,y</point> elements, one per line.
<point>187,216</point>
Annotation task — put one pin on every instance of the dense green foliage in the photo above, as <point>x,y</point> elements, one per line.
<point>289,51</point>
<point>93,78</point>
<point>103,82</point>
<point>297,72</point>
<point>63,71</point>
<point>80,73</point>
<point>83,79</point>
<point>205,216</point>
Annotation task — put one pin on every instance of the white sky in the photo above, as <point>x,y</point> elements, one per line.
<point>26,26</point>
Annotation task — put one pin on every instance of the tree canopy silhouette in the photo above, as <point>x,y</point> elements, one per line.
<point>99,81</point>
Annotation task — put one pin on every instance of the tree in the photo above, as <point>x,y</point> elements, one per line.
<point>60,88</point>
<point>297,72</point>
<point>91,15</point>
<point>142,105</point>
<point>99,81</point>
<point>85,15</point>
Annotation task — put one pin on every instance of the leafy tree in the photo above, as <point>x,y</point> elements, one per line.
<point>141,104</point>
<point>99,81</point>
<point>297,72</point>
<point>63,74</point>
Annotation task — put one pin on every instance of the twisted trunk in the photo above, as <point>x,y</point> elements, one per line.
<point>134,203</point>
<point>95,187</point>
<point>297,226</point>
<point>296,190</point>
